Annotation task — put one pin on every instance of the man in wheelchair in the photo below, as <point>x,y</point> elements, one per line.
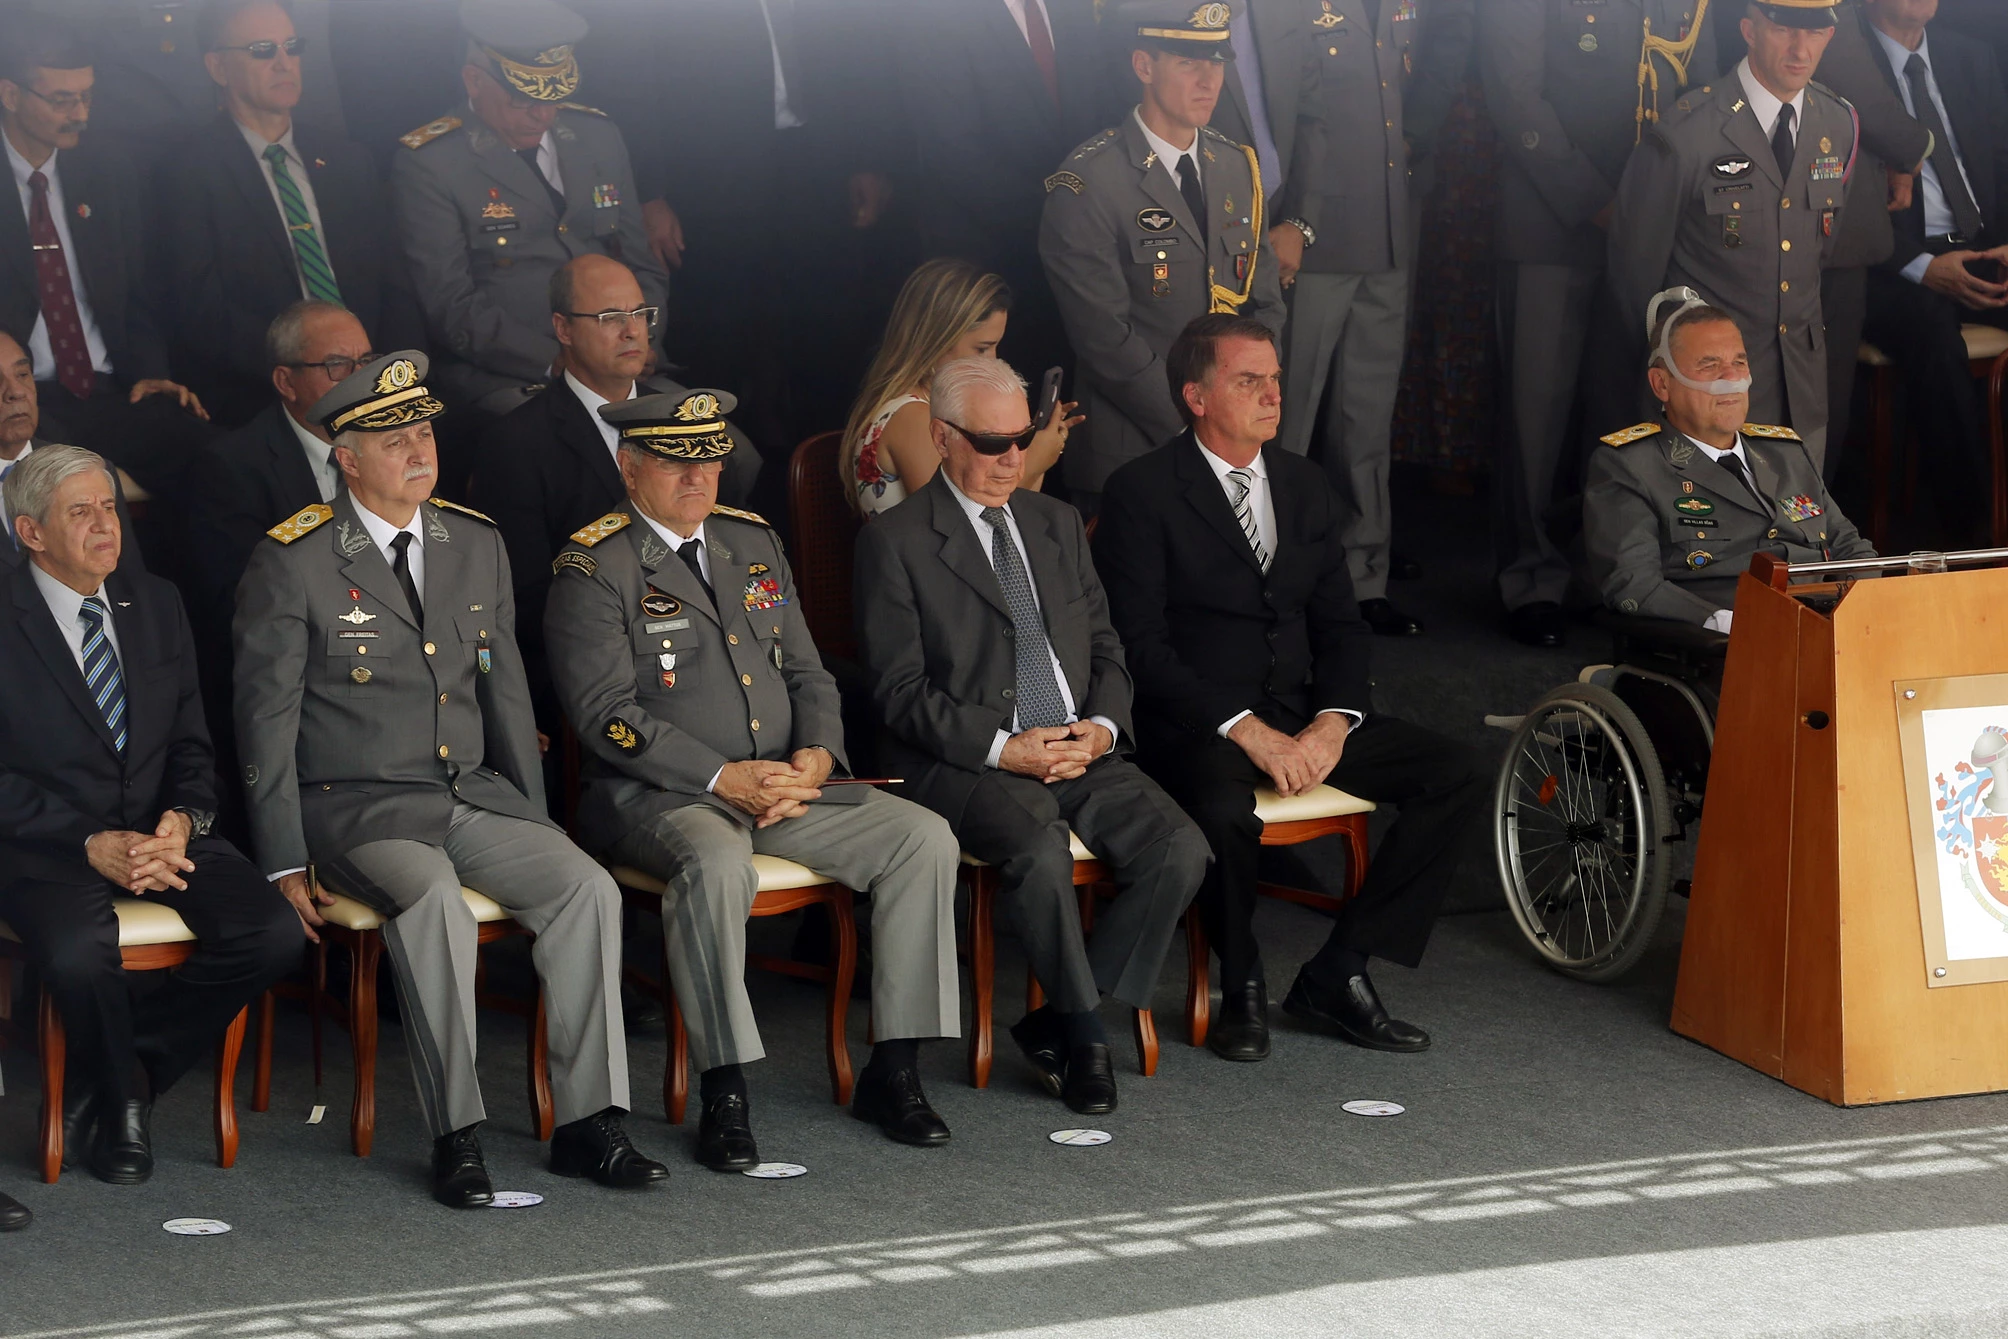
<point>1672,511</point>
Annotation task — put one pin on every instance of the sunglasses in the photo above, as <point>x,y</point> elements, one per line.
<point>268,50</point>
<point>996,443</point>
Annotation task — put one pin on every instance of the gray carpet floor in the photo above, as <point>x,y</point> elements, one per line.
<point>1565,1165</point>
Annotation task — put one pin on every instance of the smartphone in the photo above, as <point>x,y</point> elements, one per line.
<point>1049,397</point>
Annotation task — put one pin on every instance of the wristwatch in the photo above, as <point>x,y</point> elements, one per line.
<point>199,820</point>
<point>1310,234</point>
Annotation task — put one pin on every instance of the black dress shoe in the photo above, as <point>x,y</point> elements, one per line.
<point>1355,1011</point>
<point>725,1136</point>
<point>1240,1030</point>
<point>640,1013</point>
<point>459,1176</point>
<point>123,1151</point>
<point>1091,1080</point>
<point>80,1124</point>
<point>1538,624</point>
<point>598,1146</point>
<point>894,1102</point>
<point>1046,1048</point>
<point>1387,620</point>
<point>13,1215</point>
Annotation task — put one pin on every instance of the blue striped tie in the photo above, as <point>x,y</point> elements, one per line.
<point>315,271</point>
<point>101,670</point>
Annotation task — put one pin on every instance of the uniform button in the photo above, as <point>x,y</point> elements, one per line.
<point>362,650</point>
<point>1589,18</point>
<point>1784,285</point>
<point>561,227</point>
<point>1390,125</point>
<point>665,643</point>
<point>1160,255</point>
<point>501,241</point>
<point>430,649</point>
<point>1703,534</point>
<point>481,632</point>
<point>1781,328</point>
<point>442,698</point>
<point>1333,51</point>
<point>1772,535</point>
<point>777,629</point>
<point>1390,162</point>
<point>1785,203</point>
<point>442,750</point>
<point>326,787</point>
<point>746,679</point>
<point>1784,246</point>
<point>1736,204</point>
<point>732,637</point>
<point>754,724</point>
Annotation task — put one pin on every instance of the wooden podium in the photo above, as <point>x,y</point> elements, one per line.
<point>1806,951</point>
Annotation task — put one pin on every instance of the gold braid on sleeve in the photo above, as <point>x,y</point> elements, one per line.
<point>1676,54</point>
<point>1226,299</point>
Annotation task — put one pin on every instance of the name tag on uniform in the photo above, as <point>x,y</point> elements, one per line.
<point>673,625</point>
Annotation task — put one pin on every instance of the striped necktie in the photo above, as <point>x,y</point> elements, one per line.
<point>315,272</point>
<point>1239,482</point>
<point>1039,699</point>
<point>101,670</point>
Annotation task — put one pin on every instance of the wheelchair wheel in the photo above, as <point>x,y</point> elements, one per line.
<point>1581,812</point>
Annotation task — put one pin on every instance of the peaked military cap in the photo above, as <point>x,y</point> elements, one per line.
<point>1182,27</point>
<point>526,44</point>
<point>686,426</point>
<point>379,396</point>
<point>1798,13</point>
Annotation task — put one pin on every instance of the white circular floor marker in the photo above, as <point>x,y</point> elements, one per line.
<point>776,1171</point>
<point>1080,1138</point>
<point>195,1227</point>
<point>1368,1108</point>
<point>515,1199</point>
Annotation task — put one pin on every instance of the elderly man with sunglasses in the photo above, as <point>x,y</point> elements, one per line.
<point>493,197</point>
<point>1007,706</point>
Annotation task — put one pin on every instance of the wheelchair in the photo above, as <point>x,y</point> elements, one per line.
<point>1598,793</point>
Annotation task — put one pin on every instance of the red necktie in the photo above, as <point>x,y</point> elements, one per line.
<point>1040,38</point>
<point>59,299</point>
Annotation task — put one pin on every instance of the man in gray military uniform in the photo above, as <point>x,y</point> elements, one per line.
<point>1738,194</point>
<point>493,197</point>
<point>710,729</point>
<point>1672,511</point>
<point>1147,225</point>
<point>383,721</point>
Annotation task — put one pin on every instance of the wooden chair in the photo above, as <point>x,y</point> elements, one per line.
<point>358,928</point>
<point>1987,359</point>
<point>784,886</point>
<point>826,531</point>
<point>152,937</point>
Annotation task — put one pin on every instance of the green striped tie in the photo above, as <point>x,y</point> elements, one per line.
<point>314,267</point>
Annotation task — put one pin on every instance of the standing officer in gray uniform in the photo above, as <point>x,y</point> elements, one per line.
<point>1738,194</point>
<point>494,197</point>
<point>1672,511</point>
<point>1571,87</point>
<point>1147,225</point>
<point>710,727</point>
<point>383,721</point>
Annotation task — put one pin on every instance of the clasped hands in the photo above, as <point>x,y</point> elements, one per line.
<point>772,791</point>
<point>1055,752</point>
<point>140,862</point>
<point>1948,274</point>
<point>1294,763</point>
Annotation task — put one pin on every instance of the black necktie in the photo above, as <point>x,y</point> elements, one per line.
<point>688,552</point>
<point>1188,186</point>
<point>529,156</point>
<point>1742,472</point>
<point>1781,141</point>
<point>400,567</point>
<point>1944,162</point>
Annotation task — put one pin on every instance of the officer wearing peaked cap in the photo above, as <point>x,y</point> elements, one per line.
<point>494,196</point>
<point>383,721</point>
<point>710,728</point>
<point>1152,222</point>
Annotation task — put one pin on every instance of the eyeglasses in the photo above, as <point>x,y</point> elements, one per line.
<point>268,50</point>
<point>609,320</point>
<point>996,443</point>
<point>338,369</point>
<point>66,103</point>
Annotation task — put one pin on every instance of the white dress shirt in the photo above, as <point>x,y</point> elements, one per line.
<point>68,607</point>
<point>592,400</point>
<point>974,511</point>
<point>296,168</point>
<point>383,532</point>
<point>1017,8</point>
<point>320,458</point>
<point>39,350</point>
<point>1719,621</point>
<point>676,541</point>
<point>1168,153</point>
<point>547,162</point>
<point>784,115</point>
<point>1765,103</point>
<point>1938,220</point>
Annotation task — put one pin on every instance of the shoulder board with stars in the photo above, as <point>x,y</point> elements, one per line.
<point>610,524</point>
<point>444,505</point>
<point>427,133</point>
<point>301,522</point>
<point>737,514</point>
<point>1066,179</point>
<point>1106,137</point>
<point>581,107</point>
<point>1629,435</point>
<point>1768,430</point>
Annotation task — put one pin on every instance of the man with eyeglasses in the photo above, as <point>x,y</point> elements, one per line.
<point>262,211</point>
<point>495,196</point>
<point>20,417</point>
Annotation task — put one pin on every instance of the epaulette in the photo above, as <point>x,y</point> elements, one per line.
<point>1224,139</point>
<point>301,522</point>
<point>444,505</point>
<point>1106,137</point>
<point>581,107</point>
<point>1630,435</point>
<point>427,133</point>
<point>1067,179</point>
<point>610,524</point>
<point>1768,430</point>
<point>737,514</point>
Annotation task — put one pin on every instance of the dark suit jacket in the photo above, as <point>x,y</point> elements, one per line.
<point>61,778</point>
<point>231,265</point>
<point>104,199</point>
<point>1976,109</point>
<point>242,485</point>
<point>1207,634</point>
<point>936,635</point>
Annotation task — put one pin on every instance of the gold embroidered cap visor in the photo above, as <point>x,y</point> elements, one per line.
<point>552,75</point>
<point>1183,29</point>
<point>1798,13</point>
<point>687,425</point>
<point>526,44</point>
<point>387,394</point>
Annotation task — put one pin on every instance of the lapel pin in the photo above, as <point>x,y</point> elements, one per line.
<point>83,211</point>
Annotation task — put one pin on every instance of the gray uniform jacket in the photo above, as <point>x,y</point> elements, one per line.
<point>354,724</point>
<point>1704,204</point>
<point>483,239</point>
<point>1667,530</point>
<point>1562,83</point>
<point>1130,267</point>
<point>663,687</point>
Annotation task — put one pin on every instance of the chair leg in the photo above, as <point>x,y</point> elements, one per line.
<point>543,1109</point>
<point>1146,1042</point>
<point>1356,856</point>
<point>364,955</point>
<point>676,1074</point>
<point>49,1029</point>
<point>226,1089</point>
<point>1198,988</point>
<point>261,1071</point>
<point>982,973</point>
<point>842,917</point>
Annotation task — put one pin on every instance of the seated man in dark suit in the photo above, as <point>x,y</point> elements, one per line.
<point>107,789</point>
<point>20,417</point>
<point>1227,580</point>
<point>1001,683</point>
<point>260,212</point>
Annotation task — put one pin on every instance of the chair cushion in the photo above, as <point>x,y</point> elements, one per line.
<point>1870,354</point>
<point>141,923</point>
<point>1076,848</point>
<point>1318,802</point>
<point>775,875</point>
<point>1984,341</point>
<point>350,914</point>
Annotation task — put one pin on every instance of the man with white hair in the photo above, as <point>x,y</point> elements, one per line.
<point>1007,705</point>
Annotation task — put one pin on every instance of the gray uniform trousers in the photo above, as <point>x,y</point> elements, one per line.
<point>904,855</point>
<point>1543,315</point>
<point>559,894</point>
<point>1348,331</point>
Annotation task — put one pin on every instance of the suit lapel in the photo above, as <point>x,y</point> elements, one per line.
<point>86,214</point>
<point>1744,132</point>
<point>960,551</point>
<point>1157,183</point>
<point>248,179</point>
<point>297,484</point>
<point>445,574</point>
<point>1769,482</point>
<point>38,625</point>
<point>1711,481</point>
<point>363,562</point>
<point>667,572</point>
<point>14,242</point>
<point>582,439</point>
<point>501,165</point>
<point>1207,497</point>
<point>1004,36</point>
